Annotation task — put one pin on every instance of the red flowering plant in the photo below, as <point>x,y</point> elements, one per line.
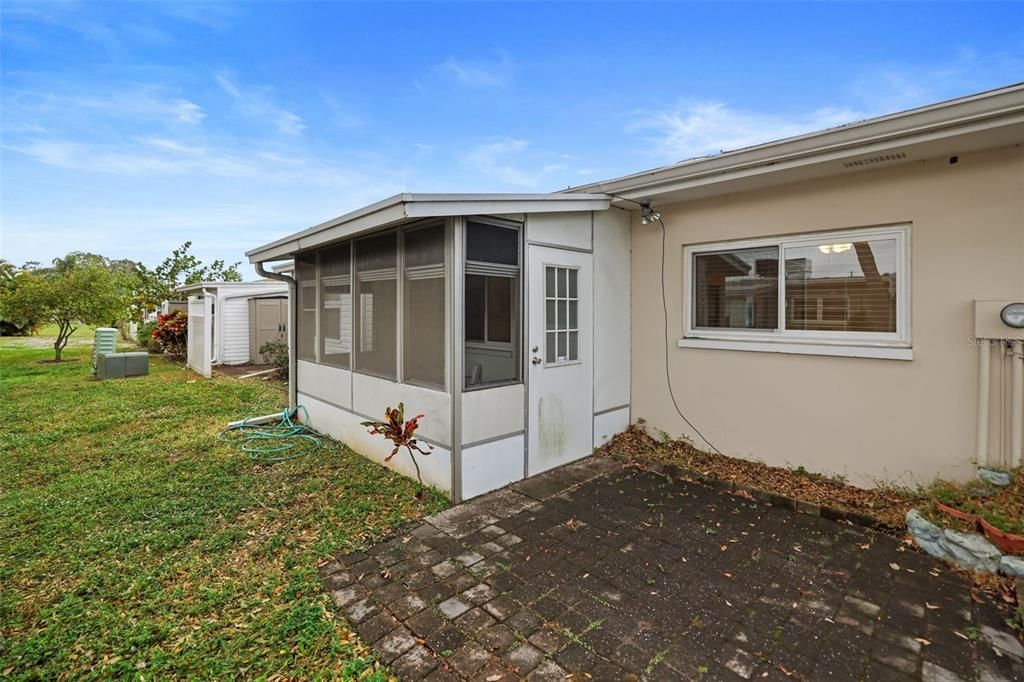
<point>400,431</point>
<point>172,333</point>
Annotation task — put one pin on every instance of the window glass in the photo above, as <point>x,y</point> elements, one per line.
<point>492,304</point>
<point>305,275</point>
<point>847,286</point>
<point>336,306</point>
<point>375,313</point>
<point>499,309</point>
<point>476,307</point>
<point>492,244</point>
<point>737,289</point>
<point>424,301</point>
<point>561,315</point>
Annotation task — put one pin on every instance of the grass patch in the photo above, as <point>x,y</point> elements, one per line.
<point>135,543</point>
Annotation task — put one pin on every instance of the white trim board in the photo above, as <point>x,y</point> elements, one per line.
<point>878,352</point>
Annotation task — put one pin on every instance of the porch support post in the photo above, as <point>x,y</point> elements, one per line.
<point>456,291</point>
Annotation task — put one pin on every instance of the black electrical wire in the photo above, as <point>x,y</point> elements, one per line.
<point>664,310</point>
<point>668,374</point>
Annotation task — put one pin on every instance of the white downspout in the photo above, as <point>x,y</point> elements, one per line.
<point>293,319</point>
<point>1017,403</point>
<point>984,369</point>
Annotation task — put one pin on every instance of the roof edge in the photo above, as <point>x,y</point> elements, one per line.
<point>408,205</point>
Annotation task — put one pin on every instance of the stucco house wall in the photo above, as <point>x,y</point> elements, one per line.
<point>903,421</point>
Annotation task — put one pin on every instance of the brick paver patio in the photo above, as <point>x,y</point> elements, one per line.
<point>602,572</point>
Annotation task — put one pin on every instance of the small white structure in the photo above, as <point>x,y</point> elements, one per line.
<point>503,318</point>
<point>220,328</point>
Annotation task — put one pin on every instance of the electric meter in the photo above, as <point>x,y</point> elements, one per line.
<point>1012,315</point>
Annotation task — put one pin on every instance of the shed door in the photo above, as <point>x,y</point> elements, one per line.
<point>270,323</point>
<point>560,349</point>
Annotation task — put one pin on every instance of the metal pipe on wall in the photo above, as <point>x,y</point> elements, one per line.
<point>1017,403</point>
<point>293,319</point>
<point>984,371</point>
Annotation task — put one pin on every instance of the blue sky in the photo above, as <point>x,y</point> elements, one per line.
<point>130,128</point>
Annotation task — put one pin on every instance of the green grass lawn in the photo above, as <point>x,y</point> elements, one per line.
<point>134,543</point>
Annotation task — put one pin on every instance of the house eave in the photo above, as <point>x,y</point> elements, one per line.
<point>985,120</point>
<point>408,206</point>
<point>199,286</point>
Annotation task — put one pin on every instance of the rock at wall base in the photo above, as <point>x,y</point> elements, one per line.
<point>993,477</point>
<point>1012,565</point>
<point>972,550</point>
<point>967,550</point>
<point>927,535</point>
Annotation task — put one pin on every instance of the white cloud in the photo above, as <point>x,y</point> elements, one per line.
<point>696,128</point>
<point>493,159</point>
<point>257,103</point>
<point>477,73</point>
<point>699,128</point>
<point>161,156</point>
<point>151,103</point>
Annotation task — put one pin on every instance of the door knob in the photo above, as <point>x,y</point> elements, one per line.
<point>535,360</point>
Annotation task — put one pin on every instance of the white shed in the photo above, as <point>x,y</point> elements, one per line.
<point>228,305</point>
<point>503,318</point>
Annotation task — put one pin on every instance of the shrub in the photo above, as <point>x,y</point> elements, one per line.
<point>144,336</point>
<point>276,352</point>
<point>172,334</point>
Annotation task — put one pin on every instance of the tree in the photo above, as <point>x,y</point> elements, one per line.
<point>156,285</point>
<point>73,292</point>
<point>10,326</point>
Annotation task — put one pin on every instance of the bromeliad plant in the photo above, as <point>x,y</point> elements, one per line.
<point>402,432</point>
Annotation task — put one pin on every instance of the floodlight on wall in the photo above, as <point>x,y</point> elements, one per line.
<point>649,215</point>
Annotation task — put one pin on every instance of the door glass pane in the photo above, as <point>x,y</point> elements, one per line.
<point>737,289</point>
<point>842,287</point>
<point>424,301</point>
<point>549,354</point>
<point>376,306</point>
<point>562,308</point>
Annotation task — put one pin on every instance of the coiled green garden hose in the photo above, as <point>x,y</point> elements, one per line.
<point>262,442</point>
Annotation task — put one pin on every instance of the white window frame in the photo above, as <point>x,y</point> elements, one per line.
<point>896,345</point>
<point>508,271</point>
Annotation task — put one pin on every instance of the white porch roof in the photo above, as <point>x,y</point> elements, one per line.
<point>406,206</point>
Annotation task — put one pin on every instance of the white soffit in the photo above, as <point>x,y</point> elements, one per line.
<point>977,122</point>
<point>403,207</point>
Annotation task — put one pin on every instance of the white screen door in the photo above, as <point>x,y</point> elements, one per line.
<point>560,351</point>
